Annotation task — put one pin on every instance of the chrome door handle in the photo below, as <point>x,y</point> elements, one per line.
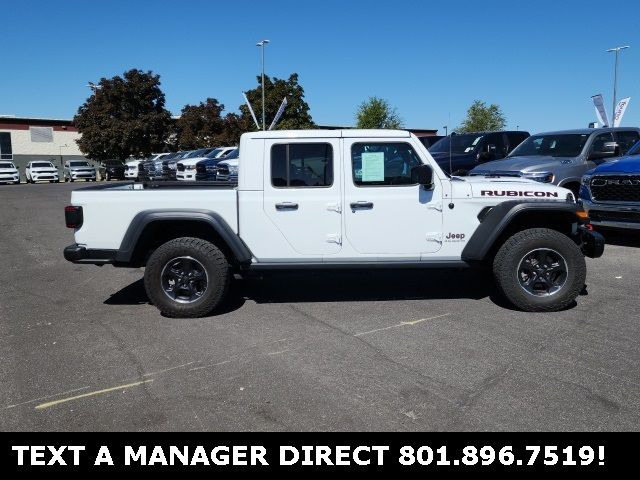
<point>286,206</point>
<point>362,206</point>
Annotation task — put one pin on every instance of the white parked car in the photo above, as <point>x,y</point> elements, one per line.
<point>228,168</point>
<point>186,168</point>
<point>9,173</point>
<point>41,171</point>
<point>131,171</point>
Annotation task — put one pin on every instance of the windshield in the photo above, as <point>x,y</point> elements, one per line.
<point>79,164</point>
<point>456,144</point>
<point>235,153</point>
<point>635,150</point>
<point>42,165</point>
<point>554,145</point>
<point>214,153</point>
<point>7,165</point>
<point>199,153</point>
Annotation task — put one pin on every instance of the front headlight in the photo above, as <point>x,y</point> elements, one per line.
<point>190,167</point>
<point>233,170</point>
<point>542,177</point>
<point>586,180</point>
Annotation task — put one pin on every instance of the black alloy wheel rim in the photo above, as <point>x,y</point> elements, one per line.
<point>542,272</point>
<point>184,279</point>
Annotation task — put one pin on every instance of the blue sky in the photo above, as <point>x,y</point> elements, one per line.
<point>539,60</point>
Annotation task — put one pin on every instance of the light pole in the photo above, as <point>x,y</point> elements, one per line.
<point>615,81</point>
<point>262,44</point>
<point>61,147</point>
<point>446,130</point>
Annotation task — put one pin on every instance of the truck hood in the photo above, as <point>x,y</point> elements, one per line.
<point>44,170</point>
<point>536,163</point>
<point>620,165</point>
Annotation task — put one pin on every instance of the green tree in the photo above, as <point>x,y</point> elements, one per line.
<point>200,125</point>
<point>377,113</point>
<point>235,125</point>
<point>296,114</point>
<point>481,117</point>
<point>125,116</point>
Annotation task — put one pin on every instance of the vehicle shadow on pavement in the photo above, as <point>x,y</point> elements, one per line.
<point>366,285</point>
<point>135,294</point>
<point>344,286</point>
<point>621,238</point>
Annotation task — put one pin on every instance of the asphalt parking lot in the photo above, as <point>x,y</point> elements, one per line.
<point>82,349</point>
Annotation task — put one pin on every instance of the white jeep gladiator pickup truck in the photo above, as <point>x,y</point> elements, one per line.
<point>334,199</point>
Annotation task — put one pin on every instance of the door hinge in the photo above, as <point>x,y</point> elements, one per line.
<point>435,206</point>
<point>334,238</point>
<point>334,207</point>
<point>434,237</point>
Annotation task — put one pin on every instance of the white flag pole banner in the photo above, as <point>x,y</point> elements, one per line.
<point>253,115</point>
<point>600,110</point>
<point>283,105</point>
<point>620,109</point>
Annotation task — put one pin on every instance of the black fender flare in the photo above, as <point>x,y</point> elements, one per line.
<point>498,218</point>
<point>138,224</point>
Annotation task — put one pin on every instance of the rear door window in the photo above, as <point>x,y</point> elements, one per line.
<point>295,165</point>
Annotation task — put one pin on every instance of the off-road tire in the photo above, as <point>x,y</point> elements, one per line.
<point>510,254</point>
<point>209,256</point>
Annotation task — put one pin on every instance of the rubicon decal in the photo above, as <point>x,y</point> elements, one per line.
<point>516,193</point>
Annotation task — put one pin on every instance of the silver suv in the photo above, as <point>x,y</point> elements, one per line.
<point>562,157</point>
<point>78,170</point>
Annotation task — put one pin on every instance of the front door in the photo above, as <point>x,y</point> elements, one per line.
<point>385,213</point>
<point>302,194</point>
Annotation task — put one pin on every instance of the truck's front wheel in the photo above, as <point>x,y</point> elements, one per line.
<point>540,270</point>
<point>187,277</point>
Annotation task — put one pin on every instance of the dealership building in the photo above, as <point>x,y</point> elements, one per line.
<point>23,140</point>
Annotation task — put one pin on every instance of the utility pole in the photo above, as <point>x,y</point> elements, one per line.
<point>262,44</point>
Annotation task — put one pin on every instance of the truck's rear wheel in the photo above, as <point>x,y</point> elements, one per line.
<point>187,277</point>
<point>540,270</point>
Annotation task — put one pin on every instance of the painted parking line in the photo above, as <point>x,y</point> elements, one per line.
<point>90,394</point>
<point>401,324</point>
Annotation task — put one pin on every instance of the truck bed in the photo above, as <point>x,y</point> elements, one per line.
<point>108,209</point>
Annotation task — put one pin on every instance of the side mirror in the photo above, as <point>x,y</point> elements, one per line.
<point>423,175</point>
<point>609,149</point>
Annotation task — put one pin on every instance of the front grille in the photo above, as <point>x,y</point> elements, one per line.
<point>604,216</point>
<point>201,168</point>
<point>223,170</point>
<point>180,167</point>
<point>616,188</point>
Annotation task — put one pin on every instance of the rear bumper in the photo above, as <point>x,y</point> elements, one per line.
<point>79,254</point>
<point>591,243</point>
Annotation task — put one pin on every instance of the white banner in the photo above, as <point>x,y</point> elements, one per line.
<point>620,109</point>
<point>600,110</point>
<point>253,115</point>
<point>279,113</point>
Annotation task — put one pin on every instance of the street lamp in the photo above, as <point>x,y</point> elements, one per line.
<point>446,130</point>
<point>615,80</point>
<point>262,44</point>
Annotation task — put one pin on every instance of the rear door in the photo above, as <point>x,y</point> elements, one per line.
<point>302,193</point>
